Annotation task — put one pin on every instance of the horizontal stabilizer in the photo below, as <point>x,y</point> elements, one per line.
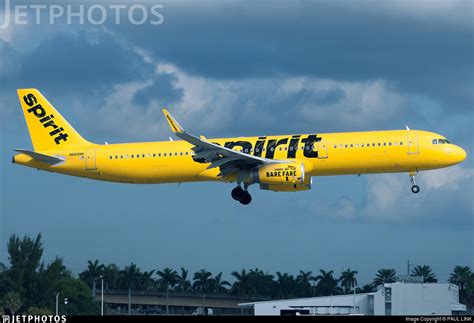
<point>41,157</point>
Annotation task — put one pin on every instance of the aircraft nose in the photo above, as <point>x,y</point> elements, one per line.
<point>458,155</point>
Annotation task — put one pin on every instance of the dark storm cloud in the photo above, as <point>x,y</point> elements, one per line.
<point>162,90</point>
<point>324,39</point>
<point>76,62</point>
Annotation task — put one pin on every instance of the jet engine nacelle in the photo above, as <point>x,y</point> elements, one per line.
<point>284,177</point>
<point>306,185</point>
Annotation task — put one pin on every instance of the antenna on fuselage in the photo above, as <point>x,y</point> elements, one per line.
<point>407,127</point>
<point>171,139</point>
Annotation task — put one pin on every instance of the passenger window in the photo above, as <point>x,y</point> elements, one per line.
<point>176,154</point>
<point>345,146</point>
<point>362,145</point>
<point>357,145</point>
<point>389,143</point>
<point>121,156</point>
<point>280,148</point>
<point>335,146</point>
<point>385,144</point>
<point>378,144</point>
<point>340,145</point>
<point>143,155</point>
<point>110,157</point>
<point>116,157</point>
<point>181,153</point>
<point>395,143</point>
<point>352,145</point>
<point>126,156</point>
<point>164,154</point>
<point>401,143</point>
<point>186,153</point>
<point>154,155</point>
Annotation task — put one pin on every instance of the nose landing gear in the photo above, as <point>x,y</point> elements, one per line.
<point>415,188</point>
<point>241,195</point>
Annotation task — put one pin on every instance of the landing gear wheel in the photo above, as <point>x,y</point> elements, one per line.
<point>246,199</point>
<point>415,189</point>
<point>237,193</point>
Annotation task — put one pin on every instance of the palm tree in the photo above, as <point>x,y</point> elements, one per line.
<point>259,283</point>
<point>327,284</point>
<point>219,285</point>
<point>303,282</point>
<point>348,280</point>
<point>461,276</point>
<point>130,276</point>
<point>93,271</point>
<point>168,278</point>
<point>285,284</point>
<point>147,281</point>
<point>183,283</point>
<point>202,283</point>
<point>424,272</point>
<point>241,284</point>
<point>111,275</point>
<point>384,276</point>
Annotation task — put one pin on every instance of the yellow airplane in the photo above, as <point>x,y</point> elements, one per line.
<point>277,163</point>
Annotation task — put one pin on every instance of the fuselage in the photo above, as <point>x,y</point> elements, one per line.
<point>322,154</point>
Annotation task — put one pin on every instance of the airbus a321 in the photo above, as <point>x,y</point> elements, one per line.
<point>277,163</point>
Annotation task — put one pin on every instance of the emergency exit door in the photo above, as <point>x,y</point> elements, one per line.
<point>90,159</point>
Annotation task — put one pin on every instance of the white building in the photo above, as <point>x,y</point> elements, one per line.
<point>391,299</point>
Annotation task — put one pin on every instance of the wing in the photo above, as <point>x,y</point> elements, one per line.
<point>229,161</point>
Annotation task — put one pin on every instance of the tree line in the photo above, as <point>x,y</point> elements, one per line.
<point>29,285</point>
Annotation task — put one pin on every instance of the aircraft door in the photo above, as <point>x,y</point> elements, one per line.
<point>412,142</point>
<point>90,159</point>
<point>322,147</point>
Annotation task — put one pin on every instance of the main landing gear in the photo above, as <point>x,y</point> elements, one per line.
<point>241,195</point>
<point>415,188</point>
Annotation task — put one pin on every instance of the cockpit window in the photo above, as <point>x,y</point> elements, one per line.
<point>440,141</point>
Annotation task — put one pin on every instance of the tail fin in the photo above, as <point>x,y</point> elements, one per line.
<point>48,129</point>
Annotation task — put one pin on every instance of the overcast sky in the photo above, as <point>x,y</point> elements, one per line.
<point>237,68</point>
